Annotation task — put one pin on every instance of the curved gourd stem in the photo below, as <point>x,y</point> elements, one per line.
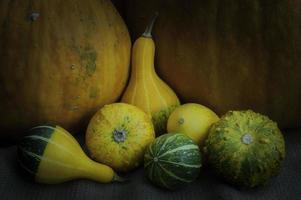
<point>148,31</point>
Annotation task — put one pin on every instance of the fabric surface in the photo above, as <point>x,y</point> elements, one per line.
<point>13,185</point>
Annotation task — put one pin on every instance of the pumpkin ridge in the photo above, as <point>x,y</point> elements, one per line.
<point>32,173</point>
<point>165,142</point>
<point>135,88</point>
<point>181,164</point>
<point>148,110</point>
<point>164,183</point>
<point>172,174</point>
<point>185,147</point>
<point>158,92</point>
<point>41,158</point>
<point>56,129</point>
<point>47,140</point>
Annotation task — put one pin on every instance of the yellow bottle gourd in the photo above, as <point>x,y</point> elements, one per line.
<point>146,90</point>
<point>51,155</point>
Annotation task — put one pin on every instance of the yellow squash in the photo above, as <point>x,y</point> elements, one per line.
<point>51,155</point>
<point>146,90</point>
<point>194,120</point>
<point>118,134</point>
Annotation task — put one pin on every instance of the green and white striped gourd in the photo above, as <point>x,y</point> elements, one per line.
<point>172,160</point>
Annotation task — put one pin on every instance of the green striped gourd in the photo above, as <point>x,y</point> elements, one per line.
<point>172,160</point>
<point>245,148</point>
<point>51,155</point>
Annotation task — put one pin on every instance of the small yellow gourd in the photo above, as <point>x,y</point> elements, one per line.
<point>146,90</point>
<point>51,155</point>
<point>192,119</point>
<point>118,135</point>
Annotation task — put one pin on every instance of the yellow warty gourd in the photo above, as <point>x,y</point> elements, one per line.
<point>146,90</point>
<point>118,135</point>
<point>51,155</point>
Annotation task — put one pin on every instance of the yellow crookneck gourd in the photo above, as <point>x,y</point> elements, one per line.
<point>51,155</point>
<point>146,90</point>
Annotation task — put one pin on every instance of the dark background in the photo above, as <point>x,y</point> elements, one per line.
<point>287,185</point>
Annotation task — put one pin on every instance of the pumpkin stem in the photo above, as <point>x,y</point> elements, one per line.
<point>148,31</point>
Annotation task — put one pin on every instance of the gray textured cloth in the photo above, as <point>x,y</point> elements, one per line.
<point>285,186</point>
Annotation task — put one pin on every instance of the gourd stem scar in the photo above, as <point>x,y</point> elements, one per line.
<point>247,138</point>
<point>119,135</point>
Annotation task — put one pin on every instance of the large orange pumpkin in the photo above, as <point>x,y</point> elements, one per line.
<point>228,54</point>
<point>60,62</point>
